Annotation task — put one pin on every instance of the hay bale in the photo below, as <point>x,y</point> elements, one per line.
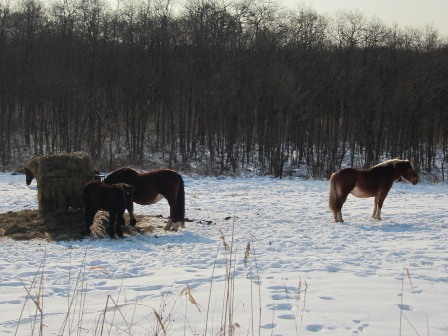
<point>61,179</point>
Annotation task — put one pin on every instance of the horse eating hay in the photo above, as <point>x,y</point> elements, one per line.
<point>115,198</point>
<point>151,187</point>
<point>32,168</point>
<point>374,182</point>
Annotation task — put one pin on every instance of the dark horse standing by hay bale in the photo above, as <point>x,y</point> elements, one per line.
<point>374,182</point>
<point>151,187</point>
<point>115,198</point>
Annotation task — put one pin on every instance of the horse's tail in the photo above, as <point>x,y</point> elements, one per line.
<point>333,196</point>
<point>179,213</point>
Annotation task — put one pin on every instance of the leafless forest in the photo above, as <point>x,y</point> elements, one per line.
<point>229,84</point>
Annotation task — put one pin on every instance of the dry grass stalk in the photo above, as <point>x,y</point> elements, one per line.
<point>247,254</point>
<point>402,314</point>
<point>115,307</point>
<point>159,320</point>
<point>302,289</point>
<point>73,301</point>
<point>210,291</point>
<point>227,323</point>
<point>36,299</point>
<point>187,292</point>
<point>223,239</point>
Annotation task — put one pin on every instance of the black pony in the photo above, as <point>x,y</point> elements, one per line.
<point>115,198</point>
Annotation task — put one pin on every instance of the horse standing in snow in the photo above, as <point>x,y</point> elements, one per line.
<point>151,187</point>
<point>115,198</point>
<point>374,182</point>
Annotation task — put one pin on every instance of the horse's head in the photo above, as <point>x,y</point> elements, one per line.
<point>128,195</point>
<point>32,168</point>
<point>128,192</point>
<point>29,176</point>
<point>408,173</point>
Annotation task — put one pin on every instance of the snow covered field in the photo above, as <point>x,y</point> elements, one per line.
<point>305,275</point>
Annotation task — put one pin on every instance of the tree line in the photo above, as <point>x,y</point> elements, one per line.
<point>221,84</point>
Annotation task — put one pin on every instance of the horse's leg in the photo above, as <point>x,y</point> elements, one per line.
<point>379,200</point>
<point>173,224</point>
<point>89,216</point>
<point>120,223</point>
<point>132,220</point>
<point>375,207</point>
<point>339,217</point>
<point>168,225</point>
<point>112,220</point>
<point>176,226</point>
<point>337,211</point>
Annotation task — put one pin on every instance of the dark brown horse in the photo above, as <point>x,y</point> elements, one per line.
<point>151,187</point>
<point>374,182</point>
<point>115,198</point>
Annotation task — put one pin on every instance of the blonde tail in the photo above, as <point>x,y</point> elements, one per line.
<point>333,196</point>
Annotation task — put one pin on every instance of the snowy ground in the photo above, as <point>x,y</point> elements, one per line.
<point>305,276</point>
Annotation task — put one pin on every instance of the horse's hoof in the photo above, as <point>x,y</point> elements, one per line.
<point>120,235</point>
<point>133,222</point>
<point>112,237</point>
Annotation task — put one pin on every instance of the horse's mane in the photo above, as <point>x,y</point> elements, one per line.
<point>391,162</point>
<point>121,174</point>
<point>32,164</point>
<point>37,156</point>
<point>123,170</point>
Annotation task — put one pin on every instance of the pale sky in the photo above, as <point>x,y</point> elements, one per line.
<point>414,13</point>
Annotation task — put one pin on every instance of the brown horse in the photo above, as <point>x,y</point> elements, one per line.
<point>115,198</point>
<point>151,187</point>
<point>374,182</point>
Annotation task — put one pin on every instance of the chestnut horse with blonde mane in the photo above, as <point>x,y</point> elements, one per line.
<point>374,182</point>
<point>151,187</point>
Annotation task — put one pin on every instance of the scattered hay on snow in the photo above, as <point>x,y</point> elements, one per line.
<point>31,224</point>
